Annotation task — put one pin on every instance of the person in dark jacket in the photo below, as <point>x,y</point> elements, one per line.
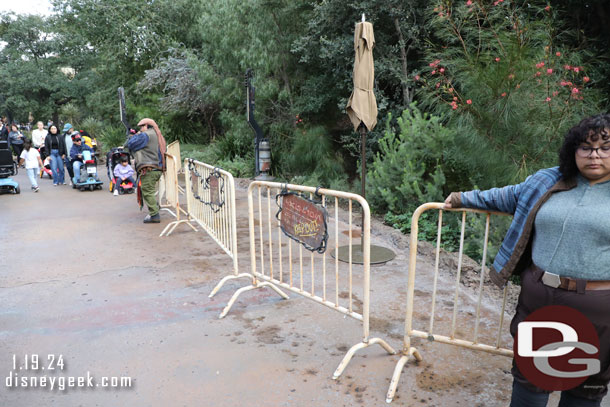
<point>76,154</point>
<point>69,134</point>
<point>4,134</point>
<point>54,144</point>
<point>148,149</point>
<point>17,140</point>
<point>559,243</point>
<point>3,129</point>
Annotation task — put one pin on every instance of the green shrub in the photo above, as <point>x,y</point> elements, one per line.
<point>317,179</point>
<point>407,169</point>
<point>239,167</point>
<point>111,136</point>
<point>428,227</point>
<point>70,113</point>
<point>242,167</point>
<point>313,160</point>
<point>201,152</point>
<point>93,126</point>
<point>234,144</point>
<point>407,172</point>
<point>506,77</point>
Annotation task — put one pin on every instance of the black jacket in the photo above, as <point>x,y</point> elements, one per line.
<point>4,134</point>
<point>60,142</point>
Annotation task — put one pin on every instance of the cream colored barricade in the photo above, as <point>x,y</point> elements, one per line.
<point>279,261</point>
<point>173,148</point>
<point>169,195</point>
<point>213,208</point>
<point>474,342</point>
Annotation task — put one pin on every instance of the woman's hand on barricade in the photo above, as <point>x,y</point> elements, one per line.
<point>448,202</point>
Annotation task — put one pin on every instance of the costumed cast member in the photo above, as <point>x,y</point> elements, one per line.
<point>148,148</point>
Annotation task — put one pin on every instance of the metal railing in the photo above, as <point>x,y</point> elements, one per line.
<point>276,260</point>
<point>212,206</point>
<point>169,195</point>
<point>475,342</point>
<point>173,148</point>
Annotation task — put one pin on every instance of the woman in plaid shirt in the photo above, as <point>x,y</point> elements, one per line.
<point>559,242</point>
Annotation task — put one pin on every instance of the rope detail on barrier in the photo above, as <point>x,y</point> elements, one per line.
<point>214,183</point>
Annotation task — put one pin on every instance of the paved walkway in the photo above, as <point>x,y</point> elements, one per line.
<point>82,277</point>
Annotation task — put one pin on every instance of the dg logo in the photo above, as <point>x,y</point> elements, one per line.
<point>557,348</point>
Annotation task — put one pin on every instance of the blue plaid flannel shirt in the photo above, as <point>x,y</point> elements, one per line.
<point>517,200</point>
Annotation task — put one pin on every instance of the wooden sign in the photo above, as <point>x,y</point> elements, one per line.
<point>303,221</point>
<point>214,190</point>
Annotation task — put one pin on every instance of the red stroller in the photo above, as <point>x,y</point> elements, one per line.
<point>46,161</point>
<point>112,160</point>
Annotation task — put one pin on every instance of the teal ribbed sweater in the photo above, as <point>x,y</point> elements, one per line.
<point>572,232</point>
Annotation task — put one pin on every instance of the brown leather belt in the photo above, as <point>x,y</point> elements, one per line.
<point>566,283</point>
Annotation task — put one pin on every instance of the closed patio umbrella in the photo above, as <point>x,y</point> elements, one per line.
<point>362,106</point>
<point>362,111</point>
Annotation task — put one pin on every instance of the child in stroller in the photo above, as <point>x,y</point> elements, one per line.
<point>46,165</point>
<point>120,173</point>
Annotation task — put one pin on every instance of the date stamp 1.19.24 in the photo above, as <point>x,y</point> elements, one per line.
<point>36,362</point>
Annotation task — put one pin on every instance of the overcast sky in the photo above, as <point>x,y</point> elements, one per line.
<point>26,6</point>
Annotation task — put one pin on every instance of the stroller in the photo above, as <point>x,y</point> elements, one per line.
<point>113,158</point>
<point>8,167</point>
<point>46,163</point>
<point>87,179</point>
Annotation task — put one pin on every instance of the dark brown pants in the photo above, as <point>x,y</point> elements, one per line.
<point>594,304</point>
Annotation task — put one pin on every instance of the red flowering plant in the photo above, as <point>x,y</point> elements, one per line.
<point>501,76</point>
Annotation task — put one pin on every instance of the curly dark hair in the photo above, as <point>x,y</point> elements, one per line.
<point>592,127</point>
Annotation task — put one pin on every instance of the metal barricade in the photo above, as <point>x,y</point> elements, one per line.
<point>283,262</point>
<point>210,196</point>
<point>173,148</point>
<point>169,195</point>
<point>475,343</point>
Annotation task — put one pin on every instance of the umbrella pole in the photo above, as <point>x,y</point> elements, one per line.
<point>362,177</point>
<point>378,254</point>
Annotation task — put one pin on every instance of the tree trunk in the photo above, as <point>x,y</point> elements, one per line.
<point>407,97</point>
<point>284,54</point>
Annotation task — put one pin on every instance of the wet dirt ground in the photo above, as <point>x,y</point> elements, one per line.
<point>82,277</point>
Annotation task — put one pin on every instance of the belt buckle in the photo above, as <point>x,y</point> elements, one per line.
<point>551,279</point>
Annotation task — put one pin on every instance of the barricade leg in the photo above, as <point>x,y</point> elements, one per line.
<point>398,371</point>
<point>227,278</point>
<point>172,225</point>
<point>169,210</point>
<point>350,353</point>
<point>248,288</point>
